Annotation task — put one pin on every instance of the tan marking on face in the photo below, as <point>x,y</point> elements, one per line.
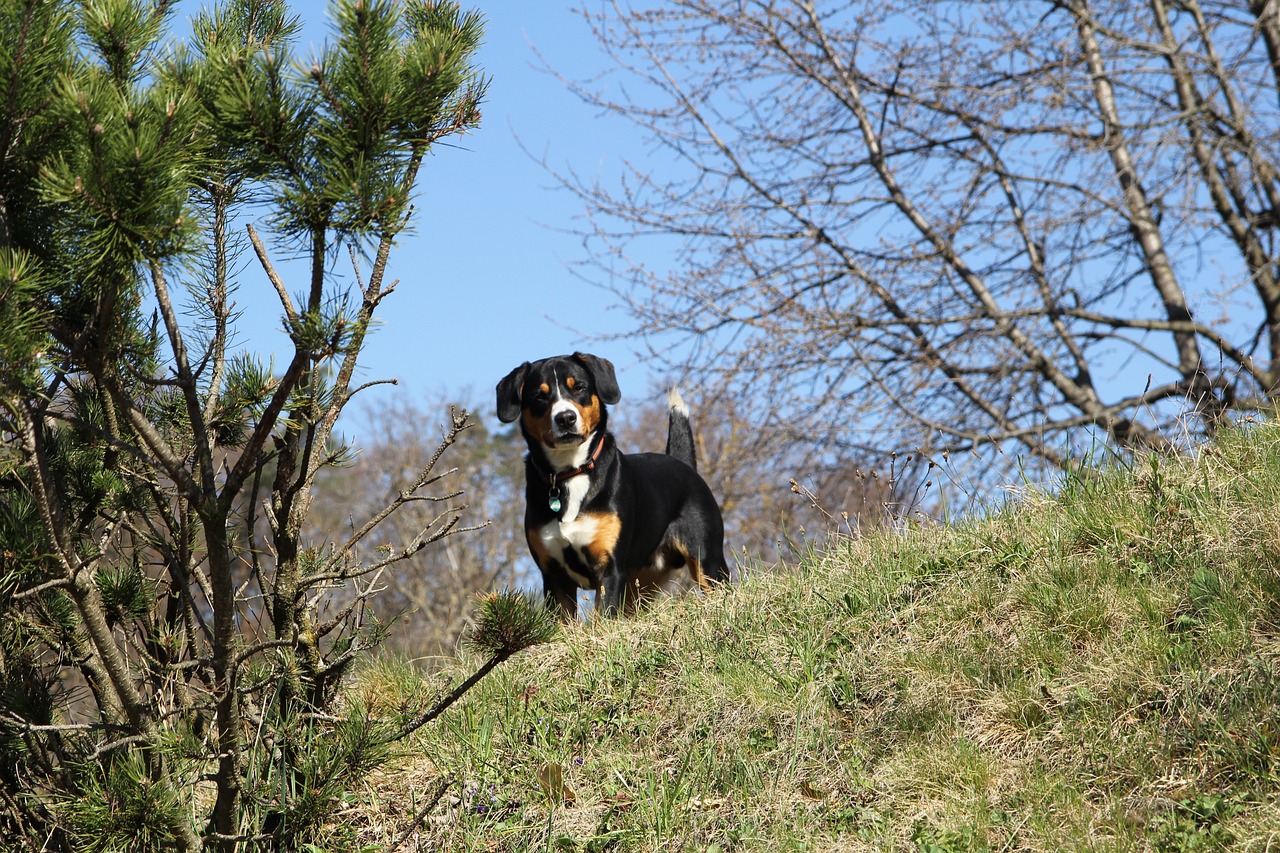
<point>544,388</point>
<point>570,382</point>
<point>589,415</point>
<point>538,427</point>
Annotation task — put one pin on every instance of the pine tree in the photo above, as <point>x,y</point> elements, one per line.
<point>168,674</point>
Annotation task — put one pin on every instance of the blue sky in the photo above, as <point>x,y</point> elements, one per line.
<point>486,280</point>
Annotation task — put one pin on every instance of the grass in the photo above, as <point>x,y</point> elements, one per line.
<point>1095,669</point>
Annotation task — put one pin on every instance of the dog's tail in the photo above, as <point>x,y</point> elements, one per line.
<point>680,431</point>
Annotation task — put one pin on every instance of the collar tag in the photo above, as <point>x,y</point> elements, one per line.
<point>554,478</point>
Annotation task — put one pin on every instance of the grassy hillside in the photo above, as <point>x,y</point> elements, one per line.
<point>1093,670</point>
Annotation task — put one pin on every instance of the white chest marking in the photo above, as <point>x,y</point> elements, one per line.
<point>571,456</point>
<point>572,491</point>
<point>571,534</point>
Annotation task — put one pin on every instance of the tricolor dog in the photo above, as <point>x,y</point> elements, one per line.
<point>595,518</point>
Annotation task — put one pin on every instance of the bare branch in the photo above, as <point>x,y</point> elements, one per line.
<point>290,313</point>
<point>946,219</point>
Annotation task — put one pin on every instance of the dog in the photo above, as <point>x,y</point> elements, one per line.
<point>620,524</point>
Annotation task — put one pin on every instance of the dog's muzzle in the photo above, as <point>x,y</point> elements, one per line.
<point>565,426</point>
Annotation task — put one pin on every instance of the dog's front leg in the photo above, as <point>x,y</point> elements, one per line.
<point>560,596</point>
<point>612,592</point>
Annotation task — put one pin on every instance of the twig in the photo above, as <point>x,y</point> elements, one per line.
<point>421,814</point>
<point>116,744</point>
<point>261,251</point>
<point>454,695</point>
<point>36,590</point>
<point>18,722</point>
<point>371,384</point>
<point>264,646</point>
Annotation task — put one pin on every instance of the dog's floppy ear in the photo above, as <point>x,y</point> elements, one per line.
<point>509,394</point>
<point>601,370</point>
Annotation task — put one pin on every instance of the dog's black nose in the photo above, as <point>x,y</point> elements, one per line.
<point>566,419</point>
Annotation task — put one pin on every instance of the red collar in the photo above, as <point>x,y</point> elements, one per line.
<point>554,479</point>
<point>561,476</point>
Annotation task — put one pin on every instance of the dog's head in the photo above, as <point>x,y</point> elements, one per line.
<point>560,401</point>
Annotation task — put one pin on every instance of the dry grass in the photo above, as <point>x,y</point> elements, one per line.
<point>1097,669</point>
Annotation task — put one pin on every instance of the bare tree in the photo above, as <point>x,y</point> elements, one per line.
<point>1016,228</point>
<point>430,592</point>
